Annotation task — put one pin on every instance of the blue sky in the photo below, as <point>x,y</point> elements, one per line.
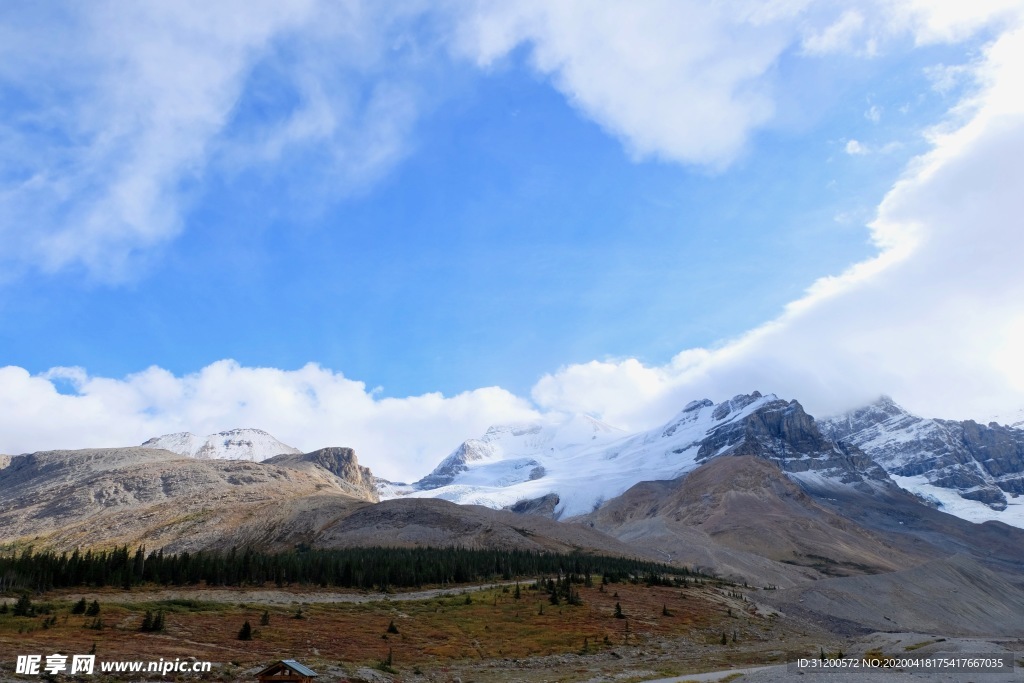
<point>446,199</point>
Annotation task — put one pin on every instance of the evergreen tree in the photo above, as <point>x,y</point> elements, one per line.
<point>79,607</point>
<point>725,641</point>
<point>392,628</point>
<point>94,609</point>
<point>147,622</point>
<point>618,612</point>
<point>246,632</point>
<point>265,619</point>
<point>23,607</point>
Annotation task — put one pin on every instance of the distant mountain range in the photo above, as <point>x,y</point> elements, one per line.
<point>572,467</point>
<point>845,514</point>
<point>567,467</point>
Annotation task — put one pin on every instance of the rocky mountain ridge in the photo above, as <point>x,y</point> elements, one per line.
<point>570,468</point>
<point>983,463</point>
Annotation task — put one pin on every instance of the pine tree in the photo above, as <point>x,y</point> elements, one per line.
<point>265,619</point>
<point>618,612</point>
<point>147,622</point>
<point>246,632</point>
<point>392,628</point>
<point>158,621</point>
<point>515,595</point>
<point>725,640</point>
<point>24,608</point>
<point>664,611</point>
<point>94,609</point>
<point>79,607</point>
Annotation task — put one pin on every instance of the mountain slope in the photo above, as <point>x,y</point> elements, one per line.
<point>237,444</point>
<point>324,499</point>
<point>748,505</point>
<point>147,496</point>
<point>953,596</point>
<point>960,466</point>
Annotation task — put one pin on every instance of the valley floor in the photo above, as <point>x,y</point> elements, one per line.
<point>474,633</point>
<point>479,633</point>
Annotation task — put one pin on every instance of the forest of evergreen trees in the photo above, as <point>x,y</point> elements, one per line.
<point>362,568</point>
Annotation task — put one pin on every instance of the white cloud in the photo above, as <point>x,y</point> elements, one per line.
<point>855,148</point>
<point>309,408</point>
<point>934,320</point>
<point>682,81</point>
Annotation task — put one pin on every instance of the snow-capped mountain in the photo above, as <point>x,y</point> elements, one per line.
<point>965,468</point>
<point>237,444</point>
<point>576,464</point>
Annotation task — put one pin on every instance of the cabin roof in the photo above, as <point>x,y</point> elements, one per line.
<point>298,668</point>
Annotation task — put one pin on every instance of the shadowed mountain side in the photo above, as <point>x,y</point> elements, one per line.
<point>954,596</point>
<point>434,522</point>
<point>748,505</point>
<point>998,546</point>
<point>102,497</point>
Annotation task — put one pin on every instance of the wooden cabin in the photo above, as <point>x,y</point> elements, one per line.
<point>287,670</point>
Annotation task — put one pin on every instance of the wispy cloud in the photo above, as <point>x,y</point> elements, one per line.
<point>135,102</point>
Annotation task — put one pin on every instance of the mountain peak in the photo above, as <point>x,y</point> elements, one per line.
<point>233,444</point>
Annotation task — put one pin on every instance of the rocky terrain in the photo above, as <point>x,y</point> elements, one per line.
<point>983,463</point>
<point>749,506</point>
<point>954,596</point>
<point>148,496</point>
